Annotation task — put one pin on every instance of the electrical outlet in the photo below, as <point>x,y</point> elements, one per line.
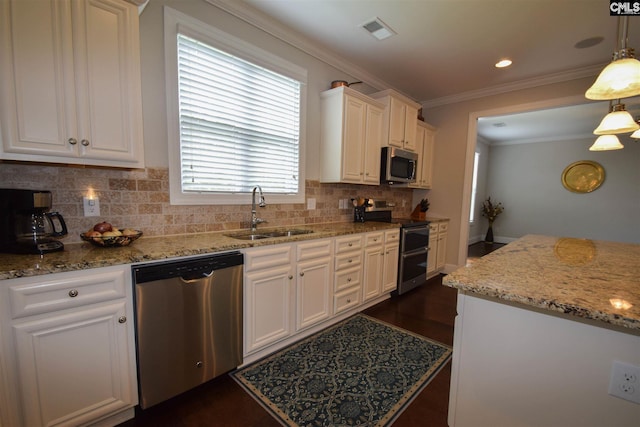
<point>625,381</point>
<point>311,203</point>
<point>91,206</point>
<point>341,204</point>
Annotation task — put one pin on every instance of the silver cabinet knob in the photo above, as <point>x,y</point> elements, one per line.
<point>122,319</point>
<point>199,364</point>
<point>348,279</point>
<point>72,141</point>
<point>348,301</point>
<point>301,273</point>
<point>73,293</point>
<point>350,244</point>
<point>290,277</point>
<point>84,142</point>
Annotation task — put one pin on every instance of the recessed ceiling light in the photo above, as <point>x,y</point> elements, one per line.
<point>503,63</point>
<point>378,29</point>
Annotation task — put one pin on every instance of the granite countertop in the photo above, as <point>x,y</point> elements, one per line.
<point>80,256</point>
<point>591,279</point>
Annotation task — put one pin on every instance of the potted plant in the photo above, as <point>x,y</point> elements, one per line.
<point>491,210</point>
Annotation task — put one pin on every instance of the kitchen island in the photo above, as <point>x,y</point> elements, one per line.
<point>540,323</point>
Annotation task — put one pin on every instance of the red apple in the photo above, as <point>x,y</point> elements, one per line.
<point>102,227</point>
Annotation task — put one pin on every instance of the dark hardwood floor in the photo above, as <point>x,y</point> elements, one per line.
<point>428,310</point>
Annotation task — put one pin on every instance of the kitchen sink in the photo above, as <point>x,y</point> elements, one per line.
<point>257,235</point>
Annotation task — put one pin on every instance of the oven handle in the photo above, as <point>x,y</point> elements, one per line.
<point>414,252</point>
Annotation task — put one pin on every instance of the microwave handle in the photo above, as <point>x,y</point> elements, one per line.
<point>412,172</point>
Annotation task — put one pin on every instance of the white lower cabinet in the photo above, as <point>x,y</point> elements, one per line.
<point>438,232</point>
<point>390,260</point>
<point>373,262</point>
<point>314,282</point>
<point>72,347</point>
<point>293,289</point>
<point>268,296</point>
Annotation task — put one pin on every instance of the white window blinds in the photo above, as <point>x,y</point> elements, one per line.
<point>239,123</point>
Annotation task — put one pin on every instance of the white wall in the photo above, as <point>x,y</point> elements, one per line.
<point>527,179</point>
<point>454,161</point>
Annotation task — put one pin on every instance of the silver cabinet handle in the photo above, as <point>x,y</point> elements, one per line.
<point>84,142</point>
<point>72,141</point>
<point>73,293</point>
<point>122,319</point>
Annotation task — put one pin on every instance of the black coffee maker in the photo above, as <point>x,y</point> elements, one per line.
<point>26,225</point>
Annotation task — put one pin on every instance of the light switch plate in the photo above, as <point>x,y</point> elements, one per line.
<point>91,206</point>
<point>311,203</point>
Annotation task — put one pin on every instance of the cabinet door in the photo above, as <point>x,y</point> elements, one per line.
<point>396,122</point>
<point>314,284</point>
<point>410,126</point>
<point>353,140</point>
<point>373,144</point>
<point>74,367</point>
<point>372,283</point>
<point>427,158</point>
<point>390,269</point>
<point>107,55</point>
<point>433,253</point>
<point>442,250</point>
<point>38,83</point>
<point>268,301</point>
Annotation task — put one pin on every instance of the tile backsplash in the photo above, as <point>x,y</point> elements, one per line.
<point>140,199</point>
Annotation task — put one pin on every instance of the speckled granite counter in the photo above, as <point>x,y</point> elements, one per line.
<point>80,256</point>
<point>587,278</point>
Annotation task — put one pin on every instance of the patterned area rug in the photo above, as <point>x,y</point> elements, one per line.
<point>358,372</point>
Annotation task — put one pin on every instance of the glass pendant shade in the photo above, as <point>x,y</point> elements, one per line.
<point>619,79</point>
<point>606,143</point>
<point>617,121</point>
<point>636,134</point>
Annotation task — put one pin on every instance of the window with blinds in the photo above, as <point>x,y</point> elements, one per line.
<point>239,123</point>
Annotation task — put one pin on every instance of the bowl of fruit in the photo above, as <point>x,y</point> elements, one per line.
<point>106,235</point>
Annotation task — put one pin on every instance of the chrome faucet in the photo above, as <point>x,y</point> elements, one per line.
<point>254,219</point>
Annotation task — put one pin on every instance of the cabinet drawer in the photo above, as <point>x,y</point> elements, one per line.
<point>391,236</point>
<point>345,300</point>
<point>348,260</point>
<point>349,243</point>
<point>444,226</point>
<point>433,227</point>
<point>43,296</point>
<point>374,239</point>
<point>347,278</point>
<point>313,249</point>
<point>270,256</point>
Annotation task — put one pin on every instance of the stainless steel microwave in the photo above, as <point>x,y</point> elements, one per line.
<point>398,166</point>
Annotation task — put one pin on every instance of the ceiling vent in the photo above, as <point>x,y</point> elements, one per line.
<point>378,29</point>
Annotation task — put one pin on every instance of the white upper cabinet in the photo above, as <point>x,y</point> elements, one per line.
<point>352,126</point>
<point>425,134</point>
<point>70,82</point>
<point>400,121</point>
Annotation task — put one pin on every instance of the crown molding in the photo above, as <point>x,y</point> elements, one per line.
<point>563,76</point>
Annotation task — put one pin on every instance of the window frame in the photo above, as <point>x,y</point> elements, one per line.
<point>176,22</point>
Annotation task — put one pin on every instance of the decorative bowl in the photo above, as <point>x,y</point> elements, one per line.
<point>111,241</point>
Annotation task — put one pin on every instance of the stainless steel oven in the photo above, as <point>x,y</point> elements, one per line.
<point>414,250</point>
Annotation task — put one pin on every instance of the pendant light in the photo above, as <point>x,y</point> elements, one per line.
<point>621,78</point>
<point>606,143</point>
<point>617,121</point>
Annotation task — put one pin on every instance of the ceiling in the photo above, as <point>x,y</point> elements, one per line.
<point>445,50</point>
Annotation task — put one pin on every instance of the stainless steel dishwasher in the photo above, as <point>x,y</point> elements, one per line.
<point>188,323</point>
